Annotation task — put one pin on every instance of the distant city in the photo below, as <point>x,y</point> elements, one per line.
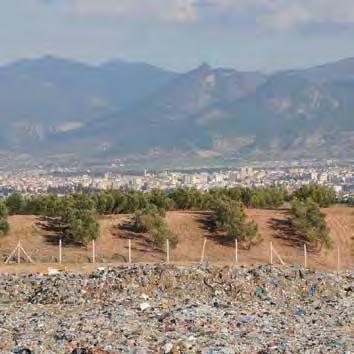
<point>291,176</point>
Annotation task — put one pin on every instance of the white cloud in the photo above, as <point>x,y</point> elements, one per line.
<point>285,18</point>
<point>287,14</point>
<point>151,10</point>
<point>273,14</point>
<point>181,11</point>
<point>105,8</point>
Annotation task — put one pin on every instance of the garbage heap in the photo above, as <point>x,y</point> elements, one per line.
<point>169,309</point>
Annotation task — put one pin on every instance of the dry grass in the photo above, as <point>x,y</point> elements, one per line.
<point>191,229</point>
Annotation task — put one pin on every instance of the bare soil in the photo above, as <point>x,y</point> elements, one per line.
<point>191,228</point>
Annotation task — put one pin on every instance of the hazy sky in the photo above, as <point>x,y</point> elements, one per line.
<point>180,34</point>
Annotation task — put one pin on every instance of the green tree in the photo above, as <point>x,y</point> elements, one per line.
<point>230,217</point>
<point>160,199</point>
<point>120,201</point>
<point>35,205</point>
<point>15,204</point>
<point>147,219</point>
<point>309,222</point>
<point>187,198</point>
<point>150,220</point>
<point>4,225</point>
<point>82,227</point>
<point>135,200</point>
<point>215,195</point>
<point>82,201</point>
<point>105,202</point>
<point>3,210</point>
<point>323,196</point>
<point>50,205</point>
<point>263,198</point>
<point>161,234</point>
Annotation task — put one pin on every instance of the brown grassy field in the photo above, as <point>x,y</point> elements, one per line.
<point>191,229</point>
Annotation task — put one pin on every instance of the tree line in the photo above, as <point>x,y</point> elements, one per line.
<point>77,213</point>
<point>129,201</point>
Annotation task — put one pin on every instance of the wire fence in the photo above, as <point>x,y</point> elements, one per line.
<point>269,254</point>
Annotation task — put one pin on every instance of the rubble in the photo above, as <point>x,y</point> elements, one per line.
<point>169,309</point>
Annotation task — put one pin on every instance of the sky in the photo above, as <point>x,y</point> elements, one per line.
<point>266,35</point>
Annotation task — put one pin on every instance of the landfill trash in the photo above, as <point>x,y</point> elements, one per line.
<point>144,296</point>
<point>81,351</point>
<point>144,306</point>
<point>168,348</point>
<point>21,351</point>
<point>53,271</point>
<point>163,308</point>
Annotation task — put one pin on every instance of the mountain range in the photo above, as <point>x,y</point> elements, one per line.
<point>52,106</point>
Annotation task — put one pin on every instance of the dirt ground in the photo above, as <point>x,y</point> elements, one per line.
<point>191,228</point>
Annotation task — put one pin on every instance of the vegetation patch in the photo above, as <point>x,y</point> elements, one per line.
<point>230,218</point>
<point>309,222</point>
<point>4,225</point>
<point>151,220</point>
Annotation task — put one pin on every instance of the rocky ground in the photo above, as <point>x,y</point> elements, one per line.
<point>168,309</point>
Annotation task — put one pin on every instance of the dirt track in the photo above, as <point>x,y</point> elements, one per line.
<point>191,228</point>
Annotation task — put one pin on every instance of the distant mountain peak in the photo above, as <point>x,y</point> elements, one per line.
<point>137,107</point>
<point>204,66</point>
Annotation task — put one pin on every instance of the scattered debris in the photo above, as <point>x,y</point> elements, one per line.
<point>144,306</point>
<point>169,309</point>
<point>53,271</point>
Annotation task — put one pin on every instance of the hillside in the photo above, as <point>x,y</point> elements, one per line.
<point>191,230</point>
<point>40,99</point>
<point>282,115</point>
<point>52,106</point>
